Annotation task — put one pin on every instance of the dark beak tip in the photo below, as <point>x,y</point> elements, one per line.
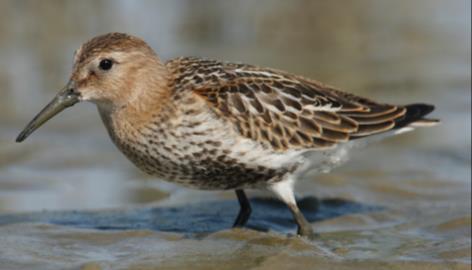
<point>21,137</point>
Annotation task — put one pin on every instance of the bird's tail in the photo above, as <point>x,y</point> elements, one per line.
<point>414,116</point>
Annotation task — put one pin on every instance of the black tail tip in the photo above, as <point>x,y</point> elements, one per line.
<point>419,109</point>
<point>414,112</point>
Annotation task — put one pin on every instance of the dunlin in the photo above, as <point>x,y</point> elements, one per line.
<point>214,125</point>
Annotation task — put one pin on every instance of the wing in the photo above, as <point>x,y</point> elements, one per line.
<point>281,110</point>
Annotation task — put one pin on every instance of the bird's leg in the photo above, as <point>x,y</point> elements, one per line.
<point>244,211</point>
<point>304,227</point>
<point>284,190</point>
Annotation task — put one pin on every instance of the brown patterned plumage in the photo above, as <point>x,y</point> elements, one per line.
<point>284,111</point>
<point>214,125</point>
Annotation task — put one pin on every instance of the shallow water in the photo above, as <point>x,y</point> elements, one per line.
<point>70,200</point>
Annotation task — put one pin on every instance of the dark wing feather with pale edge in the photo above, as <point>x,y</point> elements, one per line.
<point>287,111</point>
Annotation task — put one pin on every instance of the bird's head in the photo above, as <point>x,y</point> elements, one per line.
<point>109,70</point>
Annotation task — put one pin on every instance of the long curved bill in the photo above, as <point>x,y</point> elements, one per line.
<point>65,98</point>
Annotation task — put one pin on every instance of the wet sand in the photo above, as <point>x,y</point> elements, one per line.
<point>395,228</point>
<point>351,236</point>
<point>70,200</point>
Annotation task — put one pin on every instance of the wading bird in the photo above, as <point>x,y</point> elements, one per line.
<point>214,125</point>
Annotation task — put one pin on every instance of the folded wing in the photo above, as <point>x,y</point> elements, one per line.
<point>285,111</point>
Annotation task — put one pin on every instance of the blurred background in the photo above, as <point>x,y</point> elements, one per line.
<point>394,51</point>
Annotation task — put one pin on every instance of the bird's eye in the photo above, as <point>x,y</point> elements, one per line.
<point>106,64</point>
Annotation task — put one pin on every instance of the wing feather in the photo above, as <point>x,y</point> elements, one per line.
<point>281,110</point>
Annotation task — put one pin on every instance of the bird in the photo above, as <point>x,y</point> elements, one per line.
<point>215,125</point>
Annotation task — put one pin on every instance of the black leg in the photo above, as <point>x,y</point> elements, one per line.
<point>244,211</point>
<point>304,227</point>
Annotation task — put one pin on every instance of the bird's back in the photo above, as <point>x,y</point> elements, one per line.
<point>285,111</point>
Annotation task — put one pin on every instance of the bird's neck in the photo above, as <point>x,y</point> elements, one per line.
<point>150,97</point>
